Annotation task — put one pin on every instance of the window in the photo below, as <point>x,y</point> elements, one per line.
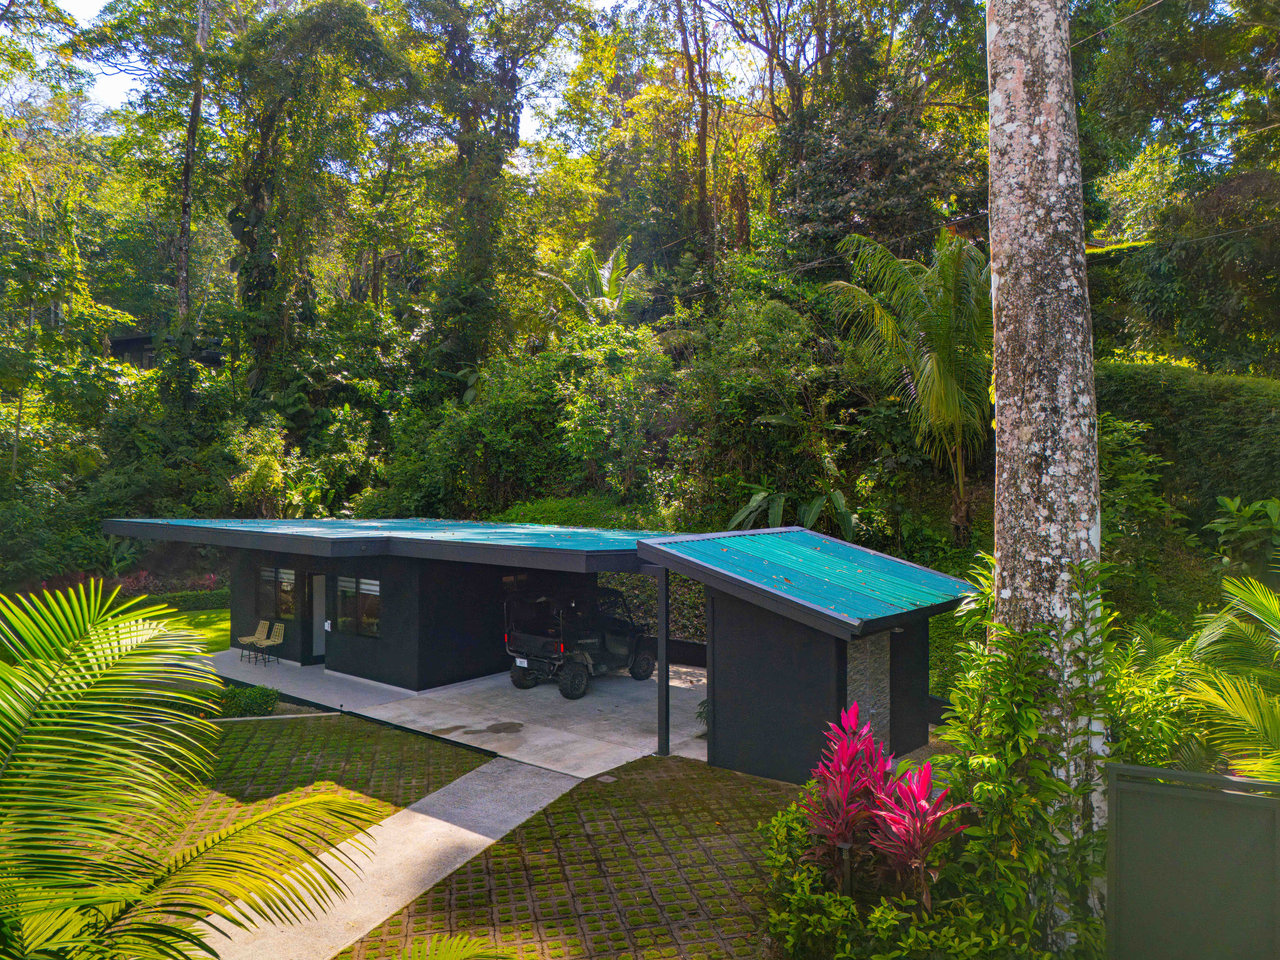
<point>359,607</point>
<point>277,594</point>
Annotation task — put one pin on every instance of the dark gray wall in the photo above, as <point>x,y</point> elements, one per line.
<point>441,620</point>
<point>391,658</point>
<point>394,657</point>
<point>1193,866</point>
<point>460,607</point>
<point>909,688</point>
<point>244,602</point>
<point>774,685</point>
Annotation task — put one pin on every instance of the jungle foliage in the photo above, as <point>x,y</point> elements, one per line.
<point>541,260</point>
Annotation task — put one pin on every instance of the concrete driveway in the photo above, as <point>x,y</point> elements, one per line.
<point>615,723</point>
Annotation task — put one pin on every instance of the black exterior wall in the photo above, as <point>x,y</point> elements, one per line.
<point>244,602</point>
<point>441,621</point>
<point>774,685</point>
<point>390,658</point>
<point>912,707</point>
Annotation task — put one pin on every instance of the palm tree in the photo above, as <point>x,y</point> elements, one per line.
<point>102,743</point>
<point>930,324</point>
<point>1236,690</point>
<point>605,294</point>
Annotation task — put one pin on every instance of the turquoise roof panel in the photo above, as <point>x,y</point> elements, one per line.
<point>515,544</point>
<point>834,585</point>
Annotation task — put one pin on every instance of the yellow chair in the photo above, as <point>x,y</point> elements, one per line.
<point>276,638</point>
<point>247,644</point>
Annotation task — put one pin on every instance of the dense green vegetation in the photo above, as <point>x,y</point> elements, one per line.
<point>549,262</point>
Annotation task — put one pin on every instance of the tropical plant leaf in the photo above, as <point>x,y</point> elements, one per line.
<point>454,948</point>
<point>103,739</point>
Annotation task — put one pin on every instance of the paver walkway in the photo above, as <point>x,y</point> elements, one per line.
<point>658,860</point>
<point>411,851</point>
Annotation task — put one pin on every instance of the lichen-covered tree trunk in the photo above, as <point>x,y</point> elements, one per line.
<point>1047,514</point>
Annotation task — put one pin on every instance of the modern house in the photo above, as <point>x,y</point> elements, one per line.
<point>799,624</point>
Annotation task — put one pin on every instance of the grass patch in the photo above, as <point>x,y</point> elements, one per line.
<point>213,625</point>
<point>263,762</point>
<point>664,861</point>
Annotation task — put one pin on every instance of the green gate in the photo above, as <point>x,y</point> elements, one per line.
<point>1193,867</point>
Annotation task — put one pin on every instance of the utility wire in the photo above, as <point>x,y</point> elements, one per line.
<point>1113,25</point>
<point>1096,33</point>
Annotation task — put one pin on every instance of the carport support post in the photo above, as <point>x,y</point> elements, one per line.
<point>664,668</point>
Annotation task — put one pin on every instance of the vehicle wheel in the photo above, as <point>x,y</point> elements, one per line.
<point>522,678</point>
<point>573,681</point>
<point>642,666</point>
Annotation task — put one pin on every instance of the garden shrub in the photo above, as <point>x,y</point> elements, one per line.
<point>577,417</point>
<point>852,863</point>
<point>1157,568</point>
<point>1024,879</point>
<point>240,701</point>
<point>193,599</point>
<point>1219,434</point>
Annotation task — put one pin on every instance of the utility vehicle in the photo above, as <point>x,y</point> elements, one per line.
<point>573,635</point>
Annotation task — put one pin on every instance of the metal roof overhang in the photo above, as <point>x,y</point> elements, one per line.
<point>658,551</point>
<point>566,559</point>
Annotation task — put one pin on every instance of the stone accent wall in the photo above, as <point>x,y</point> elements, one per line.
<point>867,681</point>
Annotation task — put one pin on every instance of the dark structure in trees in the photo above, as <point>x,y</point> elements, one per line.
<point>800,625</point>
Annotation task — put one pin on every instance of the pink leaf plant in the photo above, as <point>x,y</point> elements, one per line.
<point>852,773</point>
<point>910,822</point>
<point>859,809</point>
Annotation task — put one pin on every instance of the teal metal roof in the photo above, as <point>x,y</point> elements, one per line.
<point>515,544</point>
<point>834,586</point>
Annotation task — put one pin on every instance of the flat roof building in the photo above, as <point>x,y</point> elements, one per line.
<point>798,624</point>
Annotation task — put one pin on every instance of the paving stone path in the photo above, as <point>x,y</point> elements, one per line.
<point>657,859</point>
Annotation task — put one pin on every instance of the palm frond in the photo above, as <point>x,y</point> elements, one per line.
<point>99,725</point>
<point>103,738</point>
<point>454,948</point>
<point>1251,598</point>
<point>1241,720</point>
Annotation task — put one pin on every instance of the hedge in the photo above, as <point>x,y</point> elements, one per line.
<point>193,599</point>
<point>1220,434</point>
<point>249,701</point>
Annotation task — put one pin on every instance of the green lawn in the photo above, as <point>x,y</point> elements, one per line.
<point>263,762</point>
<point>213,625</point>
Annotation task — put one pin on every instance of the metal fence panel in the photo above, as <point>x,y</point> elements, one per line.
<point>1194,866</point>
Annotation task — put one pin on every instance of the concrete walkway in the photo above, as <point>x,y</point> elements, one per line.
<point>411,851</point>
<point>615,723</point>
<point>314,684</point>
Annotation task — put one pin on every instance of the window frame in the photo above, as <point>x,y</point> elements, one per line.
<point>358,613</point>
<point>275,580</point>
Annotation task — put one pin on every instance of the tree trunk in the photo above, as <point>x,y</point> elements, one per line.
<point>17,432</point>
<point>693,42</point>
<point>1047,514</point>
<point>183,257</point>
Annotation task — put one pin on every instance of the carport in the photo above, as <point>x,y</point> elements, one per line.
<point>800,625</point>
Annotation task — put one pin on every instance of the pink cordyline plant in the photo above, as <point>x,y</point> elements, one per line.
<point>858,805</point>
<point>852,773</point>
<point>909,823</point>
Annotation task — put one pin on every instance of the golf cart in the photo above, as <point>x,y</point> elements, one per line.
<point>573,635</point>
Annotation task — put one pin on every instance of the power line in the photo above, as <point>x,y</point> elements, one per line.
<point>1116,23</point>
<point>1096,33</point>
